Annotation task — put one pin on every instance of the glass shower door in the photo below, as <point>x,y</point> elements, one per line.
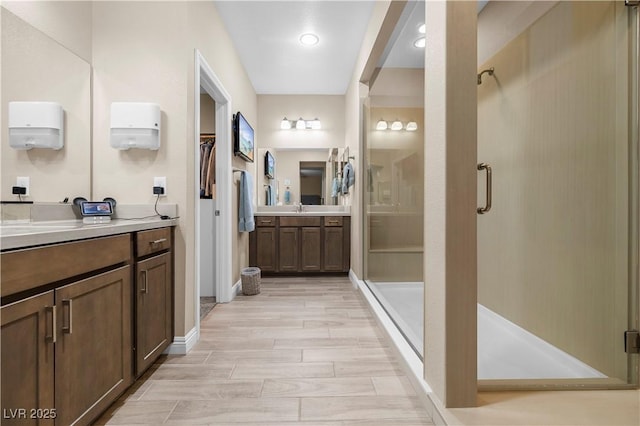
<point>557,252</point>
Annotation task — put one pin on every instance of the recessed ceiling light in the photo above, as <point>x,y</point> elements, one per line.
<point>309,39</point>
<point>422,29</point>
<point>421,42</point>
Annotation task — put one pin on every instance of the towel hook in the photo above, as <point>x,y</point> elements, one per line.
<point>488,71</point>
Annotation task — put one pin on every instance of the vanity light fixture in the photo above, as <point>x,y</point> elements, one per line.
<point>285,124</point>
<point>396,125</point>
<point>381,125</point>
<point>309,39</point>
<point>421,42</point>
<point>300,124</point>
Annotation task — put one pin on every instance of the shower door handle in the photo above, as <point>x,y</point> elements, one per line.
<point>487,207</point>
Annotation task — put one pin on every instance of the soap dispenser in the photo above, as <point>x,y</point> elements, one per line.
<point>287,196</point>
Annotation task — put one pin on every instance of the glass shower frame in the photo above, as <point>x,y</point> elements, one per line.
<point>633,227</point>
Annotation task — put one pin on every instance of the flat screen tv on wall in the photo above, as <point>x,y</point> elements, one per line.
<point>269,165</point>
<point>242,138</point>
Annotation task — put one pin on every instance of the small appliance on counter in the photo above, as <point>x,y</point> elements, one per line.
<point>95,212</point>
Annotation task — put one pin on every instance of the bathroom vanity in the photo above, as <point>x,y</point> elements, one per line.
<point>301,243</point>
<point>85,310</point>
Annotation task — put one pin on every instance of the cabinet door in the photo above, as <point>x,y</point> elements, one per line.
<point>27,359</point>
<point>94,347</point>
<point>154,309</point>
<point>310,249</point>
<point>288,250</point>
<point>333,249</point>
<point>266,249</point>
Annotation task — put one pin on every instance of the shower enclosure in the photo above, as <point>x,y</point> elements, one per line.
<point>557,226</point>
<point>557,252</point>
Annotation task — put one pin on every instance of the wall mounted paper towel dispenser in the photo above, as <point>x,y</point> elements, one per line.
<point>36,125</point>
<point>135,125</point>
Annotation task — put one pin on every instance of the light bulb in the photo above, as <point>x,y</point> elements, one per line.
<point>315,124</point>
<point>412,126</point>
<point>285,124</point>
<point>396,125</point>
<point>381,125</point>
<point>300,124</point>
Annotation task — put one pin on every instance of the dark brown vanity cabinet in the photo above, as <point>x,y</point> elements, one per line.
<point>66,351</point>
<point>154,295</point>
<point>265,241</point>
<point>300,244</point>
<point>79,320</point>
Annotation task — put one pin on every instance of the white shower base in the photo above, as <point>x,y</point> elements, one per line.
<point>505,350</point>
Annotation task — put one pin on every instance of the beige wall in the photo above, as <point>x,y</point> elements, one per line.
<point>553,124</point>
<point>328,108</point>
<point>450,361</point>
<point>67,22</point>
<point>159,67</point>
<point>37,68</point>
<point>206,33</point>
<point>356,92</point>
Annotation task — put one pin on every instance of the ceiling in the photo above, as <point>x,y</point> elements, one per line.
<point>266,36</point>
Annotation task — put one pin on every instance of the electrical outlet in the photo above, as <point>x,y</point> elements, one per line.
<point>161,181</point>
<point>24,182</point>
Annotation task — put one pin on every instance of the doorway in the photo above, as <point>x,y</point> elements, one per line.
<point>213,222</point>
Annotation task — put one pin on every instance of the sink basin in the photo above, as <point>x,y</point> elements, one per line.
<point>37,227</point>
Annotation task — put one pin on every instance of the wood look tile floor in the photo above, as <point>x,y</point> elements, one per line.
<point>305,351</point>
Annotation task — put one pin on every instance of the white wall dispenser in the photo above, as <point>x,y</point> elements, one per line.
<point>36,125</point>
<point>135,125</point>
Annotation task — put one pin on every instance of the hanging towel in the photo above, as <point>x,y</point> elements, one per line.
<point>272,200</point>
<point>245,210</point>
<point>335,187</point>
<point>348,178</point>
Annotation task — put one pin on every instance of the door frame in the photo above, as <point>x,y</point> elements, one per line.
<point>209,81</point>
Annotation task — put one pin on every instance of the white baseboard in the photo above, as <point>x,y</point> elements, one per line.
<point>412,365</point>
<point>354,279</point>
<point>183,344</point>
<point>236,289</point>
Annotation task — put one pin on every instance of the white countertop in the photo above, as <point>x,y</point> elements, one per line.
<point>294,213</point>
<point>291,210</point>
<point>14,235</point>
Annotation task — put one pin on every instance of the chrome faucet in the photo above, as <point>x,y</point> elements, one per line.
<point>300,207</point>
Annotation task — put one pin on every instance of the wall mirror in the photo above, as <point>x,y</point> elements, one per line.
<point>307,175</point>
<point>37,68</point>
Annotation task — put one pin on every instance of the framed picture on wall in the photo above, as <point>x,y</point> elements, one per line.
<point>269,165</point>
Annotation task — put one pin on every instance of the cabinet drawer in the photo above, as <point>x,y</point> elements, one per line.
<point>30,268</point>
<point>333,221</point>
<point>265,220</point>
<point>152,241</point>
<point>300,221</point>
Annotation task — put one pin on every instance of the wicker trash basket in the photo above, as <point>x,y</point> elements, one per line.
<point>250,281</point>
